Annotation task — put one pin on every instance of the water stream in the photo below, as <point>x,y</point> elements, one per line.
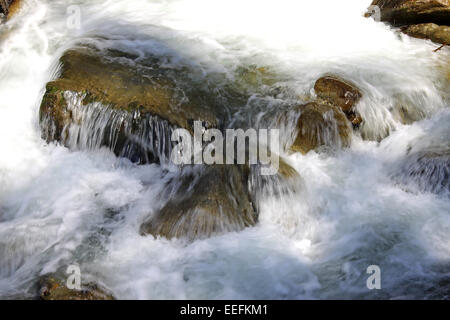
<point>365,205</point>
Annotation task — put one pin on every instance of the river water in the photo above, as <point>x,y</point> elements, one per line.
<point>358,207</point>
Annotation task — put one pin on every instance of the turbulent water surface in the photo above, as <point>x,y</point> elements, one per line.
<point>365,205</point>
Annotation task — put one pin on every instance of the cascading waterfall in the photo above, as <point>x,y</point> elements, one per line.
<point>147,138</point>
<point>377,202</point>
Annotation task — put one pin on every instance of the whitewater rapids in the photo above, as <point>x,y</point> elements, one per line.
<point>60,207</point>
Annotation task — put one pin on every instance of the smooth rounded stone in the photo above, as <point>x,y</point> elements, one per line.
<point>212,203</point>
<point>434,32</point>
<point>406,12</point>
<point>319,125</point>
<point>52,288</point>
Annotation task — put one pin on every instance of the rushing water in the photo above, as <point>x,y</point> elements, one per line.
<point>366,205</point>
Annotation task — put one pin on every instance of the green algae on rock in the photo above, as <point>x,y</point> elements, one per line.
<point>434,32</point>
<point>340,93</point>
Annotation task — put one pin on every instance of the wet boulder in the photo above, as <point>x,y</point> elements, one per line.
<point>254,78</point>
<point>321,125</point>
<point>52,287</point>
<point>4,6</point>
<point>98,100</point>
<point>408,12</point>
<point>434,32</point>
<point>340,93</point>
<point>211,202</point>
<point>424,19</point>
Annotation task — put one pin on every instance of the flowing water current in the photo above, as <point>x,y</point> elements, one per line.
<point>384,201</point>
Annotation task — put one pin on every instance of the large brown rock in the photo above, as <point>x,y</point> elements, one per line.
<point>438,34</point>
<point>406,12</point>
<point>321,124</point>
<point>140,105</point>
<point>215,202</point>
<point>53,288</point>
<point>426,171</point>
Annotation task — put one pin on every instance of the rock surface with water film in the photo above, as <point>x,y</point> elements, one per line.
<point>141,102</point>
<point>51,287</point>
<point>321,125</point>
<point>208,203</point>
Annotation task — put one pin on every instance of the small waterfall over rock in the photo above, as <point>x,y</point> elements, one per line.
<point>142,138</point>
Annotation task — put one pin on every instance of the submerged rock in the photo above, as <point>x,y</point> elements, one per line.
<point>139,102</point>
<point>52,288</point>
<point>407,12</point>
<point>321,124</point>
<point>427,171</point>
<point>340,93</point>
<point>438,34</point>
<point>212,203</point>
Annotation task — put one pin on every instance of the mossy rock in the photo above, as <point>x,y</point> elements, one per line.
<point>407,12</point>
<point>321,125</point>
<point>52,288</point>
<point>254,77</point>
<point>123,87</point>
